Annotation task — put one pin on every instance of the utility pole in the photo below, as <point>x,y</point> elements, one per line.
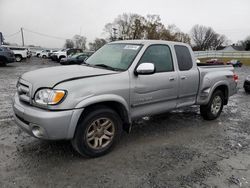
<point>22,36</point>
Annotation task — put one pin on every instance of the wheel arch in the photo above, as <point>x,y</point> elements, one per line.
<point>225,90</point>
<point>116,103</point>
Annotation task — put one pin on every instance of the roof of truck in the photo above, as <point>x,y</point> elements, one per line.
<point>150,42</point>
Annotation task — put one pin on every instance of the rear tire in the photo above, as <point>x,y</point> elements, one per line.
<point>246,90</point>
<point>97,132</point>
<point>214,108</point>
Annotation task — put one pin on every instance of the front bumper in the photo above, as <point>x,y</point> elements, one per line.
<point>53,125</point>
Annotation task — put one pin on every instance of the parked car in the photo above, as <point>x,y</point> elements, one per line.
<point>38,52</point>
<point>215,62</point>
<point>20,52</point>
<point>6,56</point>
<point>247,84</point>
<point>57,56</point>
<point>51,53</point>
<point>44,53</point>
<point>90,104</point>
<point>75,59</point>
<point>54,55</point>
<point>235,63</point>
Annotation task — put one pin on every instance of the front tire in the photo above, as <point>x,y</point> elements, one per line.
<point>214,108</point>
<point>97,132</point>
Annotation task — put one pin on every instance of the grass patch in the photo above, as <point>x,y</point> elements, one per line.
<point>245,61</point>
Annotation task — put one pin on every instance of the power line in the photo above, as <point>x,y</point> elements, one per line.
<point>8,36</point>
<point>44,35</point>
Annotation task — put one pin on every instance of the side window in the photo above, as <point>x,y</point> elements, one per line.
<point>183,57</point>
<point>1,49</point>
<point>160,56</point>
<point>81,57</point>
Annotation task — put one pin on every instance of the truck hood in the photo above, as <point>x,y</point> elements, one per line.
<point>49,77</point>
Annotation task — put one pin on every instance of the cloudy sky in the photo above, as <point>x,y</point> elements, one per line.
<point>65,18</point>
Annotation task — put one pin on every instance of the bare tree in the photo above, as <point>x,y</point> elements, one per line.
<point>135,26</point>
<point>108,28</point>
<point>154,27</point>
<point>98,43</point>
<point>173,33</point>
<point>69,43</point>
<point>138,25</point>
<point>126,26</point>
<point>80,41</point>
<point>206,38</point>
<point>245,43</point>
<point>182,37</point>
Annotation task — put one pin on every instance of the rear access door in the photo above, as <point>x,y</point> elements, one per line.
<point>188,76</point>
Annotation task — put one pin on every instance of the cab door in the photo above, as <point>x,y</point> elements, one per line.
<point>157,92</point>
<point>188,76</point>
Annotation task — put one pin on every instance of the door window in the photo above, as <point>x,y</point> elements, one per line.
<point>183,57</point>
<point>160,56</point>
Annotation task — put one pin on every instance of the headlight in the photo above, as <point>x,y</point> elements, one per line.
<point>49,96</point>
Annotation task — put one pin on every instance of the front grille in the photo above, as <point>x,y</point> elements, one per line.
<point>23,91</point>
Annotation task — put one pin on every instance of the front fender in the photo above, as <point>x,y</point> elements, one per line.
<point>95,100</point>
<point>103,98</point>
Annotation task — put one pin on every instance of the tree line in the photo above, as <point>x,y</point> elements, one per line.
<point>130,26</point>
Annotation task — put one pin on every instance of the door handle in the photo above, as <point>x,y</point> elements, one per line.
<point>183,77</point>
<point>171,79</point>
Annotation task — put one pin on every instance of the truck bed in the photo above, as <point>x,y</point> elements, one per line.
<point>208,65</point>
<point>210,76</point>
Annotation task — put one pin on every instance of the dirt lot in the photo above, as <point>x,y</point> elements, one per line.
<point>176,149</point>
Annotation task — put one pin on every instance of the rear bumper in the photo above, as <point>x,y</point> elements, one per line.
<point>53,125</point>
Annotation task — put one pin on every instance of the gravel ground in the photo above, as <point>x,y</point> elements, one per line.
<point>176,149</point>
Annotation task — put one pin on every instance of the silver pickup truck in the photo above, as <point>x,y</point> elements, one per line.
<point>91,104</point>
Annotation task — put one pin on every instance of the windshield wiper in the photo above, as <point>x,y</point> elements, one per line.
<point>107,67</point>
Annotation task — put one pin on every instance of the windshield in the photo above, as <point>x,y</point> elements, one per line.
<point>116,56</point>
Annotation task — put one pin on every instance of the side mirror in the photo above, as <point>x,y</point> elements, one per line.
<point>145,68</point>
